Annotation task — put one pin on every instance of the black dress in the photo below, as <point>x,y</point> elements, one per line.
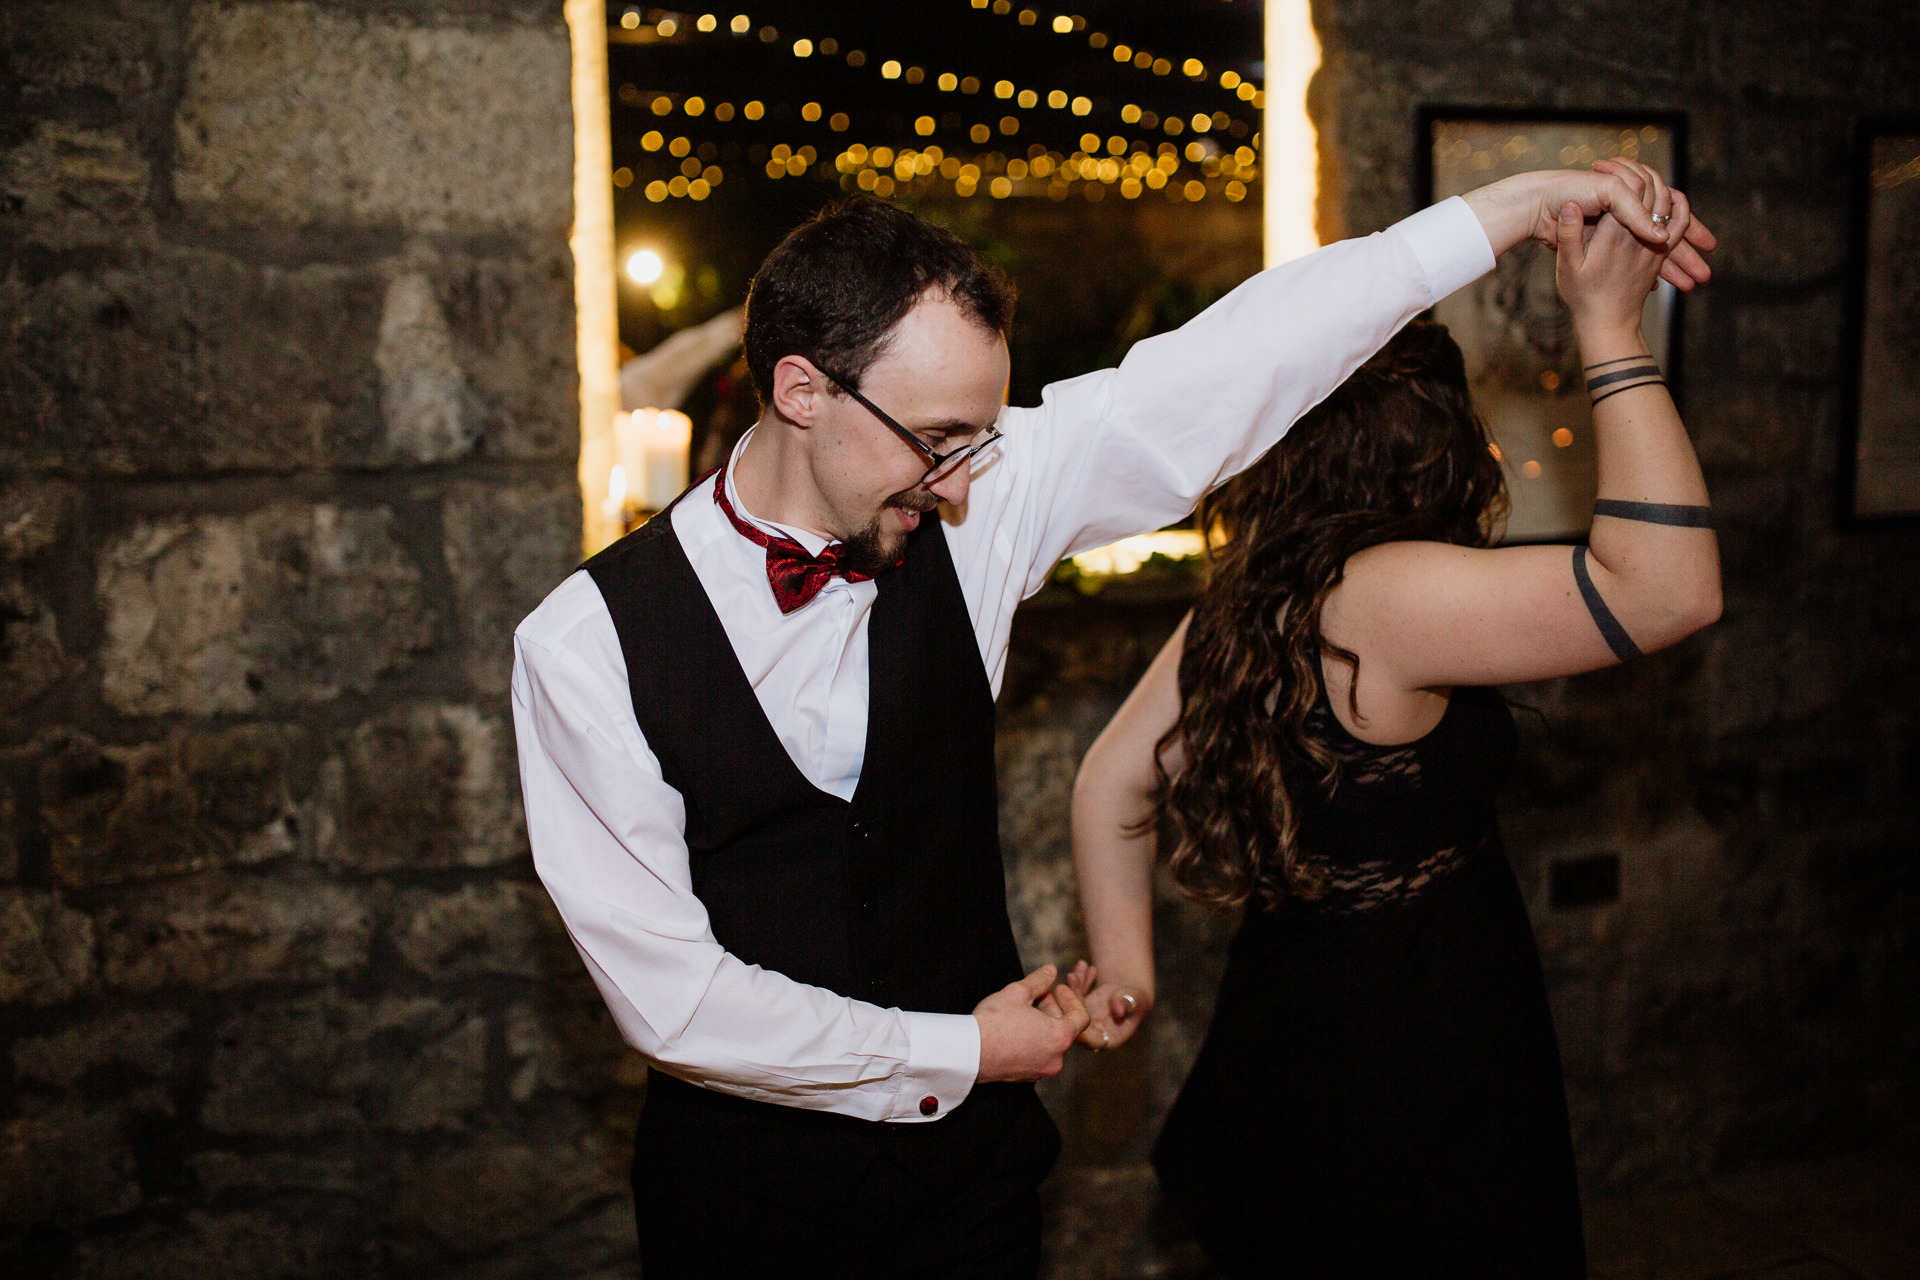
<point>1380,1092</point>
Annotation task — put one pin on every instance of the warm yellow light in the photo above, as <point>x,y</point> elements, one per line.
<point>1128,554</point>
<point>1003,89</point>
<point>923,126</point>
<point>1063,24</point>
<point>666,28</point>
<point>1229,79</point>
<point>753,110</point>
<point>645,266</point>
<point>1291,158</point>
<point>1028,98</point>
<point>707,22</point>
<point>596,313</point>
<point>694,106</point>
<point>1194,68</point>
<point>1082,106</point>
<point>629,20</point>
<point>1562,438</point>
<point>740,24</point>
<point>803,48</point>
<point>1121,53</point>
<point>1130,114</point>
<point>948,81</point>
<point>890,70</point>
<point>810,112</point>
<point>1057,99</point>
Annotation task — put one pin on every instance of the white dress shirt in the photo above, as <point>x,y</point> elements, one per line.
<point>1104,456</point>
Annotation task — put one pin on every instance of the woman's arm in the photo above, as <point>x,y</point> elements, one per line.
<point>1113,849</point>
<point>1430,615</point>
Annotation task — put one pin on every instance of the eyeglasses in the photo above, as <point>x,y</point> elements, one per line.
<point>941,465</point>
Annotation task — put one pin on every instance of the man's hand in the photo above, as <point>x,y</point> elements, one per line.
<point>1027,1027</point>
<point>1527,207</point>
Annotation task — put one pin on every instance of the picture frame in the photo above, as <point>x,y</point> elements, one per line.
<point>1879,468</point>
<point>1522,360</point>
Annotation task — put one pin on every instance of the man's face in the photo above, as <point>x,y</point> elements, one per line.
<point>943,377</point>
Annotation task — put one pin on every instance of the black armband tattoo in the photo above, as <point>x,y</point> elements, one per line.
<point>1610,629</point>
<point>1640,375</point>
<point>1689,517</point>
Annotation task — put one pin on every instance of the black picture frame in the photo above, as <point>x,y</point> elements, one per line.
<point>1866,413</point>
<point>1527,382</point>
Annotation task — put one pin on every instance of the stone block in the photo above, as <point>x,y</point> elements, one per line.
<point>34,519</point>
<point>46,948</point>
<point>299,113</point>
<point>475,1198</point>
<point>220,931</point>
<point>65,1168</point>
<point>327,1064</point>
<point>291,603</point>
<point>195,800</point>
<point>509,929</point>
<point>510,320</point>
<point>75,147</point>
<point>256,1245</point>
<point>166,360</point>
<point>140,1039</point>
<point>506,548</point>
<point>566,1044</point>
<point>424,786</point>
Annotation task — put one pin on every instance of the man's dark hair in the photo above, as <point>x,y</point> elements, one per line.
<point>837,285</point>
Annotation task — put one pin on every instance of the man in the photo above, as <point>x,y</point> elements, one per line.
<point>757,734</point>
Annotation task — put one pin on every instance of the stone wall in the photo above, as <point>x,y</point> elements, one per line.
<point>287,446</point>
<point>1747,993</point>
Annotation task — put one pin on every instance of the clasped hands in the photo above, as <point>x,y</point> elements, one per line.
<point>1027,1027</point>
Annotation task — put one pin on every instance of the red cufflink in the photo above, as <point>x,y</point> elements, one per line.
<point>929,1105</point>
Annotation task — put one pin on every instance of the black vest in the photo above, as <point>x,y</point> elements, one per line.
<point>897,897</point>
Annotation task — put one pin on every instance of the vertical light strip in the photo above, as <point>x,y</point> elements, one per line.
<point>1289,147</point>
<point>596,315</point>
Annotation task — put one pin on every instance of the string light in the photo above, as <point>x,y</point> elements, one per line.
<point>894,69</point>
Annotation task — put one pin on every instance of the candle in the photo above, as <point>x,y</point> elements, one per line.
<point>653,445</point>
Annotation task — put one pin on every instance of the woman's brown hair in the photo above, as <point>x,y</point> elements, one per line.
<point>1395,454</point>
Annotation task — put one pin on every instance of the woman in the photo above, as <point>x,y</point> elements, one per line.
<point>1380,1092</point>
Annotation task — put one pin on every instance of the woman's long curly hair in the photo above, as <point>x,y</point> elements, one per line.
<point>1395,454</point>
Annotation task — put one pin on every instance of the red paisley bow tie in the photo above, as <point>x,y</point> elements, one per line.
<point>795,576</point>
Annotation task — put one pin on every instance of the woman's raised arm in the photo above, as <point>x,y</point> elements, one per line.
<point>1430,615</point>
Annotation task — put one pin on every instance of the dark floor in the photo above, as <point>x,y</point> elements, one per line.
<point>1845,1218</point>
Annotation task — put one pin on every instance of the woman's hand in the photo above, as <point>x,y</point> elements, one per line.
<point>1115,1010</point>
<point>1605,279</point>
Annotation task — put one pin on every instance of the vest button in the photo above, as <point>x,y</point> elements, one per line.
<point>929,1105</point>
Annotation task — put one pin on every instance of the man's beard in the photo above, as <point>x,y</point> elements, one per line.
<point>875,549</point>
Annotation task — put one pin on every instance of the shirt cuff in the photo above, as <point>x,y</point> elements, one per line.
<point>1450,245</point>
<point>943,1058</point>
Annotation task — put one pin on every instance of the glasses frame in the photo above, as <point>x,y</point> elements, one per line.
<point>941,464</point>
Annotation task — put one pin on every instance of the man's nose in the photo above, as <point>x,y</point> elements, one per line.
<point>952,487</point>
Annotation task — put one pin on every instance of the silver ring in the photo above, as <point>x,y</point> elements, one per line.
<point>1105,1040</point>
<point>1662,219</point>
<point>1132,1004</point>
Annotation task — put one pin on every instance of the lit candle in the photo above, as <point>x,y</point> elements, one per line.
<point>653,449</point>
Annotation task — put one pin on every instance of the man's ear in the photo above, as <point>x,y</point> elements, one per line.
<point>799,390</point>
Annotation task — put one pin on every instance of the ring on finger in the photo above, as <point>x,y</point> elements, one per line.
<point>1662,219</point>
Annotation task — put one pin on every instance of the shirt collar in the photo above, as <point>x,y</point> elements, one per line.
<point>812,542</point>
